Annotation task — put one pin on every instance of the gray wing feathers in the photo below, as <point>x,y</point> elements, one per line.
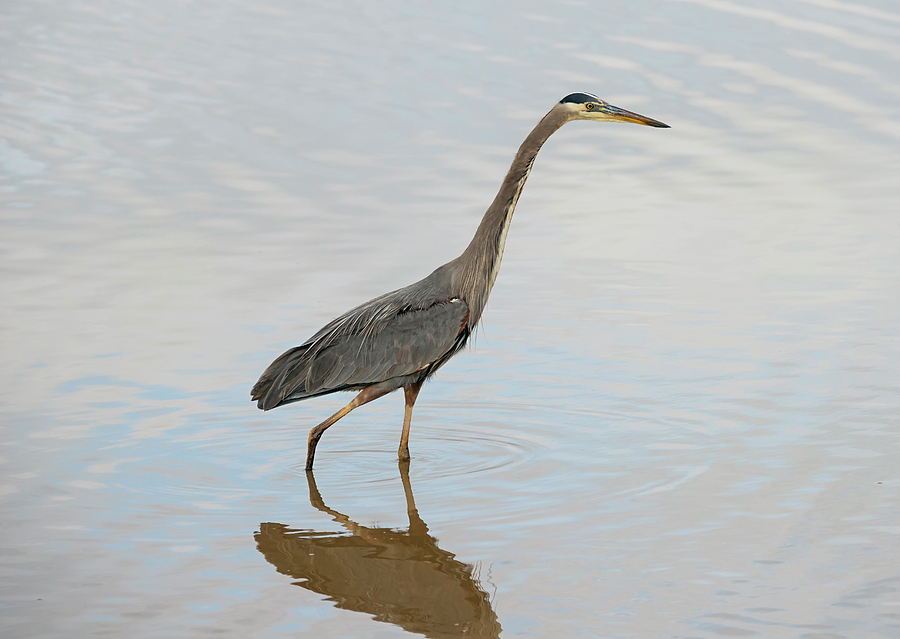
<point>355,351</point>
<point>283,362</point>
<point>412,341</point>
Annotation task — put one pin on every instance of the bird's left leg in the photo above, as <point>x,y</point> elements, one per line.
<point>365,396</point>
<point>410,392</point>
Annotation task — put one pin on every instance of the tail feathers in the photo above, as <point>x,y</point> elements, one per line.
<point>280,379</point>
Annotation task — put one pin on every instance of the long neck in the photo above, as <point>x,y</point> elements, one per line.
<point>480,262</point>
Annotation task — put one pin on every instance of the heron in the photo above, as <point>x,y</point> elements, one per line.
<point>401,338</point>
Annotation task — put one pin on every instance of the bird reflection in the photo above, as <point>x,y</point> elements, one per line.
<point>396,576</point>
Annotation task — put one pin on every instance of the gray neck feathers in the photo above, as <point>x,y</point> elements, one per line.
<point>479,263</point>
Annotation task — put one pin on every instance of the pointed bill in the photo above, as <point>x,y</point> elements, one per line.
<point>621,115</point>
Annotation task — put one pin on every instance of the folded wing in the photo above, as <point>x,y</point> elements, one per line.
<point>402,344</point>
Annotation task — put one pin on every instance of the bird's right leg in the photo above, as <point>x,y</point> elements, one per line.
<point>365,396</point>
<point>411,392</point>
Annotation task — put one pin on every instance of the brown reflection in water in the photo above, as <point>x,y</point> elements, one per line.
<point>398,576</point>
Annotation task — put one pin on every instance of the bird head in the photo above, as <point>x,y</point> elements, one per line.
<point>585,106</point>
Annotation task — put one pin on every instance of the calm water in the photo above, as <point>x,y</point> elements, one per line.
<point>680,420</point>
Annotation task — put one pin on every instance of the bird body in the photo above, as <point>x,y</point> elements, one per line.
<point>401,338</point>
<point>403,335</point>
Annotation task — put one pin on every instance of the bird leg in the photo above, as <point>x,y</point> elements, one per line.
<point>365,396</point>
<point>410,392</point>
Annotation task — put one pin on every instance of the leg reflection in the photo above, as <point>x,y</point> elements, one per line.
<point>399,576</point>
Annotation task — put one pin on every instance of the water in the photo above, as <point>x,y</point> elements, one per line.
<point>680,419</point>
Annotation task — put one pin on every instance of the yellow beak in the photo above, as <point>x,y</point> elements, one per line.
<point>615,114</point>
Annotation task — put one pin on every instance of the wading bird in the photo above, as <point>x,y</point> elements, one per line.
<point>400,339</point>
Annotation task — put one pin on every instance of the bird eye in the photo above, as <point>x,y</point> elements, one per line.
<point>589,106</point>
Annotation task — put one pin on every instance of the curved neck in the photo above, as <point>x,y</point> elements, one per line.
<point>480,262</point>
